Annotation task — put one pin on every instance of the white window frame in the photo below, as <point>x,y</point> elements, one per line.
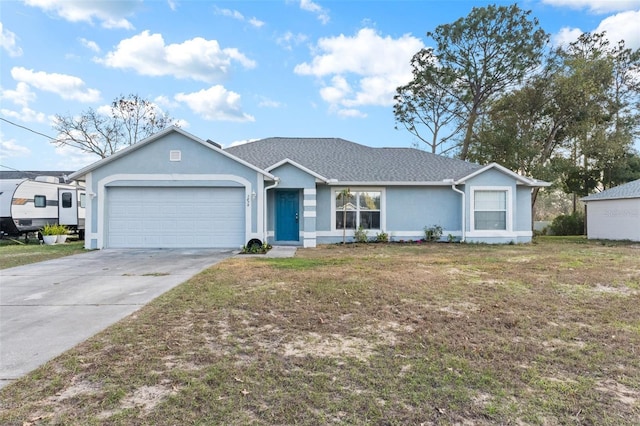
<point>334,194</point>
<point>508,231</point>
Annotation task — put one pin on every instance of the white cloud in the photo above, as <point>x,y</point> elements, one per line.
<point>364,69</point>
<point>239,16</point>
<point>289,39</point>
<point>256,22</point>
<point>351,113</point>
<point>9,149</point>
<point>22,96</point>
<point>91,45</point>
<point>623,26</point>
<point>565,36</point>
<point>173,5</point>
<point>216,104</point>
<point>8,42</point>
<point>596,6</point>
<point>73,158</point>
<point>241,142</point>
<point>111,14</point>
<point>197,59</point>
<point>66,86</point>
<point>268,103</point>
<point>26,115</point>
<point>310,6</point>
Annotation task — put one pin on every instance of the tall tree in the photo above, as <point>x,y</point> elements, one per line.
<point>574,122</point>
<point>426,107</point>
<point>127,120</point>
<point>476,58</point>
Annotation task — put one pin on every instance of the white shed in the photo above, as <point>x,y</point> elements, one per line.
<point>614,214</point>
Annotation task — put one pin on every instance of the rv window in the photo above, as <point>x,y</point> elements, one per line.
<point>40,201</point>
<point>67,200</point>
<point>82,199</point>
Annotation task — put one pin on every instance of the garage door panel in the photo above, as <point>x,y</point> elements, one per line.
<point>175,217</point>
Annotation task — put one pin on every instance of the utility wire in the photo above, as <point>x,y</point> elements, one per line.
<point>26,128</point>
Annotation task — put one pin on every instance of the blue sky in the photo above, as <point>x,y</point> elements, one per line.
<point>237,70</point>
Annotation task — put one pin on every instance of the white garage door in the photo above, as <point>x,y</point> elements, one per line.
<point>175,217</point>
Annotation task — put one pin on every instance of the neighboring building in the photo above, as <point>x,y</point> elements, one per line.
<point>614,214</point>
<point>176,190</point>
<point>32,174</point>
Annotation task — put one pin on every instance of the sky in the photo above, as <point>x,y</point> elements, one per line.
<point>236,71</point>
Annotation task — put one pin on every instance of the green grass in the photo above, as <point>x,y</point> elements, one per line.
<point>15,254</point>
<point>381,334</point>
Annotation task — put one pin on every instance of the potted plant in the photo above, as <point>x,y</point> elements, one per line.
<point>62,234</point>
<point>49,234</point>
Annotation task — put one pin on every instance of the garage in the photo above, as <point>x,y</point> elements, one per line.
<point>175,217</point>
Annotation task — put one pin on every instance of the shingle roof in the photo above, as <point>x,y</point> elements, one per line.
<point>627,190</point>
<point>335,158</point>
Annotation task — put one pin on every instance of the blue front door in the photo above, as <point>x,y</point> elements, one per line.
<point>287,216</point>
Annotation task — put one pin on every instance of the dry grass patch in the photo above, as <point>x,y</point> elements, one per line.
<point>546,333</point>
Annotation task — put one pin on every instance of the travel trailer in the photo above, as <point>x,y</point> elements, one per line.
<point>26,205</point>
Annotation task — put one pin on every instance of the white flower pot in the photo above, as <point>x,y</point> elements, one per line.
<point>49,239</point>
<point>61,239</point>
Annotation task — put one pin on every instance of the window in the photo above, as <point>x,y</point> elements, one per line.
<point>67,200</point>
<point>40,201</point>
<point>359,208</point>
<point>490,210</point>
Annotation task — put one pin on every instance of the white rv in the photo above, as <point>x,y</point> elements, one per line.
<point>26,205</point>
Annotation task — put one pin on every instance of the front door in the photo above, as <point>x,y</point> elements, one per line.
<point>287,216</point>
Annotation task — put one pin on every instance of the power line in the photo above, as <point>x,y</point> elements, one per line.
<point>26,128</point>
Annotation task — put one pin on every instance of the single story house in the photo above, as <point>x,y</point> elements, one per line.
<point>176,190</point>
<point>614,214</point>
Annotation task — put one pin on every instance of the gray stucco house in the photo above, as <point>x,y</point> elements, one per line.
<point>176,190</point>
<point>614,214</point>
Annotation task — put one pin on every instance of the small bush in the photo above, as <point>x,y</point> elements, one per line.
<point>360,235</point>
<point>382,237</point>
<point>432,233</point>
<point>571,224</point>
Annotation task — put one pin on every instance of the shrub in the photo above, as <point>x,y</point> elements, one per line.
<point>382,237</point>
<point>571,224</point>
<point>432,233</point>
<point>360,235</point>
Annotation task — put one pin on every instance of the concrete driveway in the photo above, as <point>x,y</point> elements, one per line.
<point>49,307</point>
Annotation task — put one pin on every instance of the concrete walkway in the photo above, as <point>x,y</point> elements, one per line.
<point>49,307</point>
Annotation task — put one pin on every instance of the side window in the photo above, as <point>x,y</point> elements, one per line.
<point>83,198</point>
<point>40,201</point>
<point>67,200</point>
<point>490,210</point>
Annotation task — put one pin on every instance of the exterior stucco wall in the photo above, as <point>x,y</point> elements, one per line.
<point>614,219</point>
<point>150,165</point>
<point>405,212</point>
<point>518,209</point>
<point>292,177</point>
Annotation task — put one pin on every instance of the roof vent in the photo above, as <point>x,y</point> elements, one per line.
<point>216,144</point>
<point>175,155</point>
<point>48,179</point>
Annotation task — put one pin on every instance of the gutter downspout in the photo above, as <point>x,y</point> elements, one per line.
<point>264,219</point>
<point>464,210</point>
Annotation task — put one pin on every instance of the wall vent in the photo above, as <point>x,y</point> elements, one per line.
<point>175,155</point>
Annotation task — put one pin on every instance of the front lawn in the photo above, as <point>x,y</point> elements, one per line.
<point>14,253</point>
<point>385,334</point>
